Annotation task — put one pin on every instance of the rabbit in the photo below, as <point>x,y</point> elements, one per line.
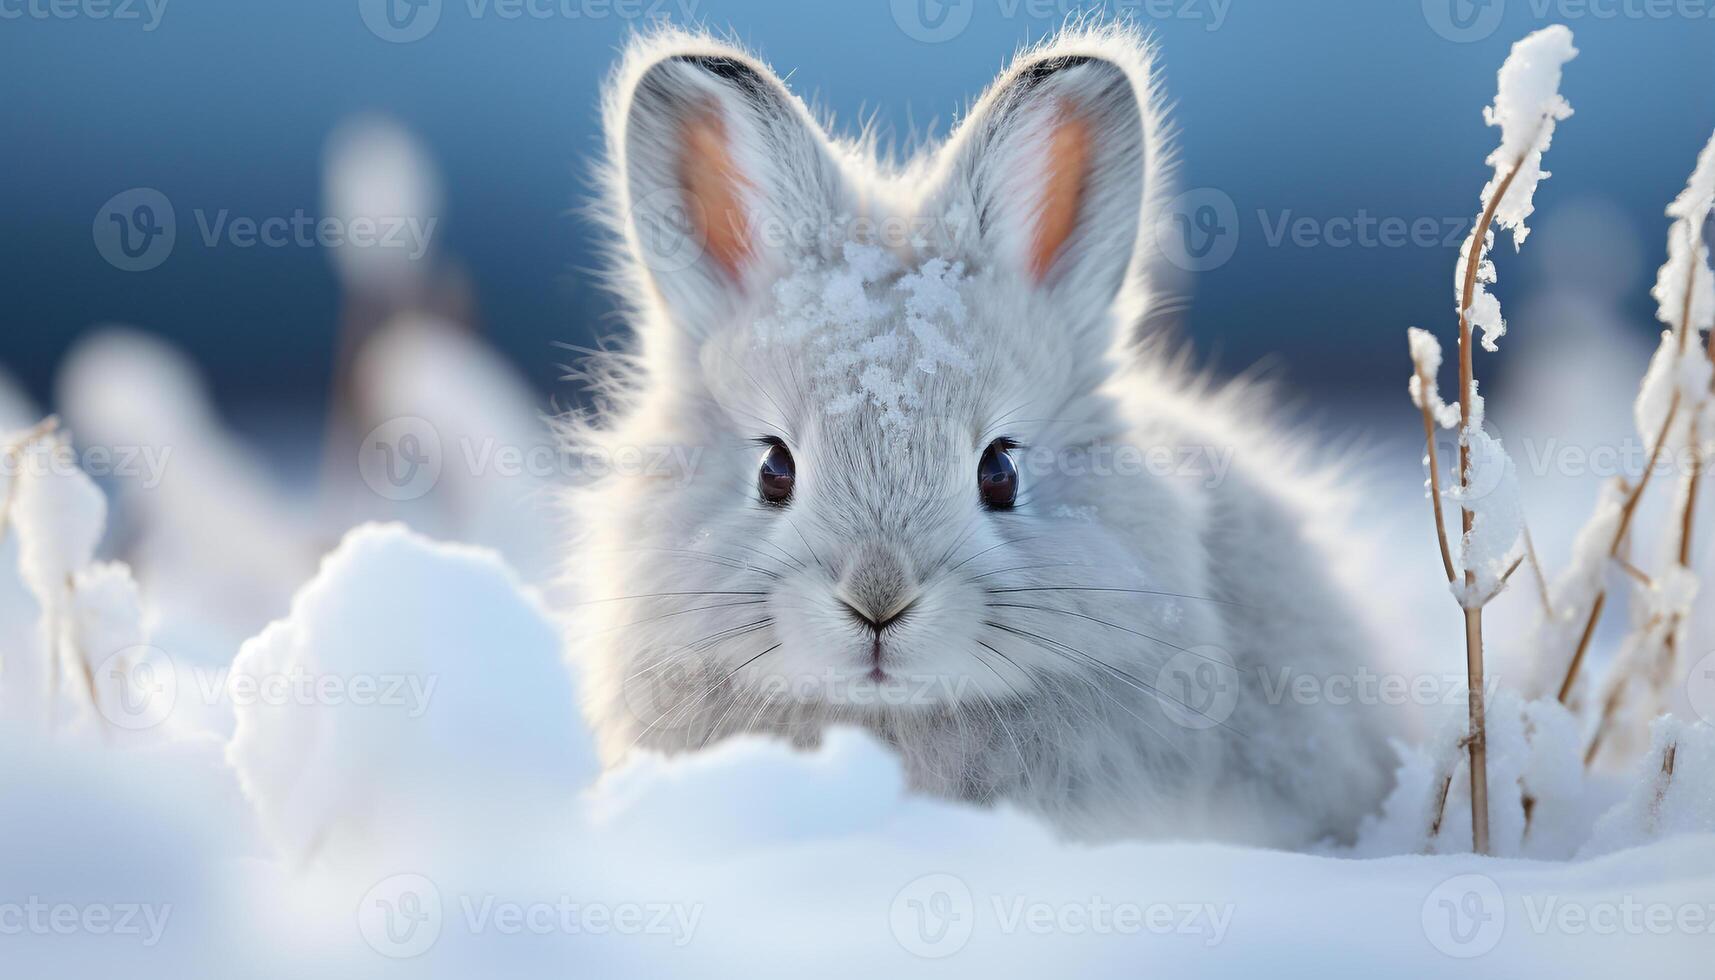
<point>891,450</point>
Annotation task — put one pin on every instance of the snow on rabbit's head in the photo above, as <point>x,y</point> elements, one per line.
<point>850,359</point>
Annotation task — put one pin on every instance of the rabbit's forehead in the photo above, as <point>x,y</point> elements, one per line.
<point>869,345</point>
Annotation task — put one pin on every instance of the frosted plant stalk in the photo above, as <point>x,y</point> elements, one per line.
<point>1677,390</point>
<point>1527,107</point>
<point>1685,294</point>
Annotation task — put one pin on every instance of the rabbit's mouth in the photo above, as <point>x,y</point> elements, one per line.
<point>879,628</point>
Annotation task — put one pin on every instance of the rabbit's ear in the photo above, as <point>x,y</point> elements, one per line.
<point>723,175</point>
<point>1050,169</point>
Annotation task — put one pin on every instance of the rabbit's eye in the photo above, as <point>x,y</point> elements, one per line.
<point>777,475</point>
<point>997,476</point>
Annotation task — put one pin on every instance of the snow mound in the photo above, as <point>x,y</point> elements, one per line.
<point>413,683</point>
<point>1673,791</point>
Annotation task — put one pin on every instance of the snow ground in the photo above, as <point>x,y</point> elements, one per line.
<point>407,789</point>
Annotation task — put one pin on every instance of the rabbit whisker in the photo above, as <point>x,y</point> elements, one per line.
<point>1017,747</point>
<point>1097,662</point>
<point>968,560</point>
<point>727,561</point>
<point>666,595</point>
<point>1027,568</point>
<point>1093,588</point>
<point>794,525</point>
<point>681,612</point>
<point>1092,685</point>
<point>723,682</point>
<point>1098,620</point>
<point>723,635</point>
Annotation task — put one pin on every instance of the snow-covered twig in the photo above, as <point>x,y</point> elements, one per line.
<point>16,448</point>
<point>1685,293</point>
<point>1426,361</point>
<point>1628,510</point>
<point>1526,108</point>
<point>1539,574</point>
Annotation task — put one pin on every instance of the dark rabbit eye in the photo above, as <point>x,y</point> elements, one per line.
<point>777,475</point>
<point>997,476</point>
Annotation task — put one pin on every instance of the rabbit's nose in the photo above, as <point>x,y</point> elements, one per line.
<point>876,588</point>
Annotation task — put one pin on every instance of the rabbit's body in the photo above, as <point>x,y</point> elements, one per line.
<point>1112,646</point>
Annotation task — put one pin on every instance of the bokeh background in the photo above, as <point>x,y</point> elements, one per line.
<point>1328,110</point>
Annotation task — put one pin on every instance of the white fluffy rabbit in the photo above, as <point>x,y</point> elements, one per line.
<point>888,454</point>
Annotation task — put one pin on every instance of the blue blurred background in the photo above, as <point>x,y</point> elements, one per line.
<point>1332,109</point>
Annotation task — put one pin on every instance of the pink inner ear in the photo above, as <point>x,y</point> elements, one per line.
<point>1066,173</point>
<point>714,184</point>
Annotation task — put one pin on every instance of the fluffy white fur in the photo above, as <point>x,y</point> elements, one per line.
<point>1055,656</point>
